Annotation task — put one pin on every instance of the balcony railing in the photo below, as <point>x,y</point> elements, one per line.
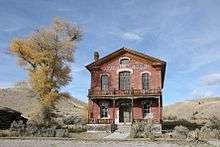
<point>131,92</point>
<point>100,121</point>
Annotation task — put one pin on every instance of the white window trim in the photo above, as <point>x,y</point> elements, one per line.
<point>146,72</point>
<point>103,74</point>
<point>124,69</point>
<point>123,58</point>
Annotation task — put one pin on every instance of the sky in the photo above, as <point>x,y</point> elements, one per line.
<point>184,33</point>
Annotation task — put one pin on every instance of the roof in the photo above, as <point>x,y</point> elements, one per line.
<point>9,110</point>
<point>131,51</point>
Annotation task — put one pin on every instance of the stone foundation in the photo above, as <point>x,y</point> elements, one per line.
<point>98,127</point>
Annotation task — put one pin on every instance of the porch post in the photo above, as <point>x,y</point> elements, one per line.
<point>132,104</point>
<point>113,110</point>
<point>159,110</point>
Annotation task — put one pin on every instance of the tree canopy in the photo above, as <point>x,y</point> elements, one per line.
<point>46,54</point>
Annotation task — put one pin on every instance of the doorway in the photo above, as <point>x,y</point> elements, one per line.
<point>125,112</point>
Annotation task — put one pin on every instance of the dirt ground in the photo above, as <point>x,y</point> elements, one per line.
<point>95,143</point>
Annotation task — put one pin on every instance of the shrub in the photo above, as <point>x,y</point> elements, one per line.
<point>181,132</point>
<point>214,123</point>
<point>8,133</point>
<point>77,128</point>
<point>51,129</point>
<point>142,130</point>
<point>19,127</point>
<point>72,120</point>
<point>207,133</point>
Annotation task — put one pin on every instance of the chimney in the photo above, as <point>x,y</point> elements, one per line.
<point>96,55</point>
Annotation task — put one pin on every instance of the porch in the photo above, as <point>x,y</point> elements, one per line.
<point>124,110</point>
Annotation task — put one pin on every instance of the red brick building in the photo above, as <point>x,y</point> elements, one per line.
<point>126,86</point>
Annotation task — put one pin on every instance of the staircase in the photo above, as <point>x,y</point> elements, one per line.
<point>122,132</point>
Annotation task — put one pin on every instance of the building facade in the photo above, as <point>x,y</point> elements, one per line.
<point>126,86</point>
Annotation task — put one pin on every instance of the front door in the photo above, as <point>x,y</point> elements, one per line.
<point>125,112</point>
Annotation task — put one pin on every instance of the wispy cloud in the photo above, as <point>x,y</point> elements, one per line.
<point>211,79</point>
<point>129,36</point>
<point>201,93</point>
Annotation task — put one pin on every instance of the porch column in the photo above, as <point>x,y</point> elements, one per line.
<point>159,111</point>
<point>114,110</point>
<point>132,104</point>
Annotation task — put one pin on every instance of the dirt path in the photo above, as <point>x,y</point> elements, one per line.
<point>80,143</point>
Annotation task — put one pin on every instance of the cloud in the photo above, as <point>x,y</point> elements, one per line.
<point>5,85</point>
<point>201,93</point>
<point>128,36</point>
<point>131,36</point>
<point>77,68</point>
<point>211,79</point>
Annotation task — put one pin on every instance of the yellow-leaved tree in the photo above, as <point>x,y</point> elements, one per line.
<point>46,54</point>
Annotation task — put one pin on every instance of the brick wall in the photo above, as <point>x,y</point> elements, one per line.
<point>111,69</point>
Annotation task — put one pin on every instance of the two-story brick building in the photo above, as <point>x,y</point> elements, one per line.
<point>126,86</point>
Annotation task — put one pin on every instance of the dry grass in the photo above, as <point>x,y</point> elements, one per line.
<point>199,110</point>
<point>25,101</point>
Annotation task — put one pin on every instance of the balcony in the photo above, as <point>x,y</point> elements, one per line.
<point>100,121</point>
<point>131,92</point>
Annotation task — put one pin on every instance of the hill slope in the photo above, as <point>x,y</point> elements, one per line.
<point>199,110</point>
<point>24,100</point>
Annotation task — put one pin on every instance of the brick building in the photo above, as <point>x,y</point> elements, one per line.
<point>126,86</point>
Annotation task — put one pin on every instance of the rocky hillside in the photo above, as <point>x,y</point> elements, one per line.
<point>24,100</point>
<point>198,110</point>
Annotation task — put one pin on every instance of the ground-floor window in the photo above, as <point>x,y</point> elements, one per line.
<point>145,108</point>
<point>104,109</point>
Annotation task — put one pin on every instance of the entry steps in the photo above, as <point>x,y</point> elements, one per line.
<point>122,132</point>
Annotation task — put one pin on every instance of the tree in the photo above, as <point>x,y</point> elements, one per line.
<point>46,54</point>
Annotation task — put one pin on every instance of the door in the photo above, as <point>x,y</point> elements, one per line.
<point>125,112</point>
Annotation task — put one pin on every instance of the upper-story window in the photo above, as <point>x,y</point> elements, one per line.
<point>104,110</point>
<point>124,60</point>
<point>145,108</point>
<point>124,80</point>
<point>104,82</point>
<point>146,81</point>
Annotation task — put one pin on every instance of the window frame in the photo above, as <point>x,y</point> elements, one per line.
<point>104,87</point>
<point>104,107</point>
<point>124,58</point>
<point>123,86</point>
<point>146,111</point>
<point>147,86</point>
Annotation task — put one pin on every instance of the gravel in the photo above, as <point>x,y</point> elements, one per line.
<point>87,143</point>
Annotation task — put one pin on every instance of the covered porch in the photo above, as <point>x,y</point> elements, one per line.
<point>124,110</point>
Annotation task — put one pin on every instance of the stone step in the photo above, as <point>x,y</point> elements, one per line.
<point>123,128</point>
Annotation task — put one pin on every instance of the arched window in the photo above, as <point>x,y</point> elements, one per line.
<point>124,80</point>
<point>124,61</point>
<point>104,82</point>
<point>145,81</point>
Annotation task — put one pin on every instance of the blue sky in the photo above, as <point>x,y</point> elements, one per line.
<point>185,33</point>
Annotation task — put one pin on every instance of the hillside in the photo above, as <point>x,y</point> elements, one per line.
<point>24,100</point>
<point>198,110</point>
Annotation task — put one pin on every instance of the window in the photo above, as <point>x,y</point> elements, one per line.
<point>124,61</point>
<point>145,108</point>
<point>124,80</point>
<point>104,82</point>
<point>145,81</point>
<point>104,110</point>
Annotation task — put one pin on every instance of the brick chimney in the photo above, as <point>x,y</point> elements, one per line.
<point>96,55</point>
